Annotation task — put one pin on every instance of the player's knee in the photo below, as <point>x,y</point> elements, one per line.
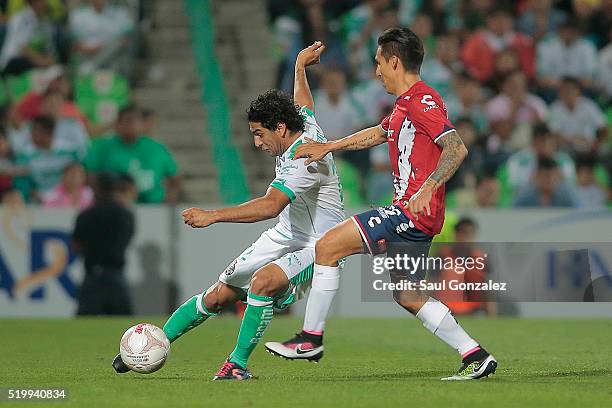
<point>211,302</point>
<point>407,301</point>
<point>326,252</point>
<point>264,283</point>
<point>214,300</point>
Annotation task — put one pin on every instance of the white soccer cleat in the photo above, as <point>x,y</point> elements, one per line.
<point>298,348</point>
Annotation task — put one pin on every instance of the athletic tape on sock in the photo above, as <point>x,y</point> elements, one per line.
<point>326,277</point>
<point>432,313</point>
<point>257,300</point>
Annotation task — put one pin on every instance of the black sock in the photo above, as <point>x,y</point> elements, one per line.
<point>475,356</point>
<point>315,339</point>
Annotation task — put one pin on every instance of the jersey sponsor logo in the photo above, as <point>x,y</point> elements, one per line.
<point>431,104</point>
<point>287,169</point>
<point>428,100</point>
<point>231,268</point>
<point>403,227</point>
<point>266,318</point>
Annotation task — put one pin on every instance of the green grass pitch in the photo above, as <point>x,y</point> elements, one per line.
<point>368,363</point>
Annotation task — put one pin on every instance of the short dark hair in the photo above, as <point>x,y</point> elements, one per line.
<point>570,24</point>
<point>488,173</point>
<point>126,110</point>
<point>541,131</point>
<point>501,8</point>
<point>124,182</point>
<point>512,74</point>
<point>45,122</point>
<point>587,160</point>
<point>465,222</point>
<point>572,81</point>
<point>104,185</point>
<point>147,113</point>
<point>51,91</point>
<point>274,107</point>
<point>405,45</point>
<point>547,163</point>
<point>70,165</point>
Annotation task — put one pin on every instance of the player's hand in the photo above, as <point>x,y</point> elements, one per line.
<point>198,218</point>
<point>419,202</point>
<point>311,55</point>
<point>311,150</point>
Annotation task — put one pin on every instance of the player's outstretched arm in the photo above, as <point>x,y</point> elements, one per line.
<point>310,55</point>
<point>258,209</point>
<point>453,153</point>
<point>364,139</point>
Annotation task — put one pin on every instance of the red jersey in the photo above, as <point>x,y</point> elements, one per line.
<point>418,120</point>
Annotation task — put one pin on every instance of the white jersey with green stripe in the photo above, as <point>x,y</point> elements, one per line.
<point>314,190</point>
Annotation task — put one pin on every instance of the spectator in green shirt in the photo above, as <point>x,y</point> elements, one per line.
<point>147,161</point>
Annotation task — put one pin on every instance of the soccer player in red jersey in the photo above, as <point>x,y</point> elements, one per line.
<point>425,151</point>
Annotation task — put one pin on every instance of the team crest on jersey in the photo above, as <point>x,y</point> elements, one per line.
<point>231,268</point>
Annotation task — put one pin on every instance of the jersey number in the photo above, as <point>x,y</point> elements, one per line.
<point>372,220</point>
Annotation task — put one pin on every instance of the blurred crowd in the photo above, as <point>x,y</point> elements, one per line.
<point>66,69</point>
<point>527,83</point>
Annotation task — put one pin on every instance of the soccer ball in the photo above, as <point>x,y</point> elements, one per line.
<point>144,348</point>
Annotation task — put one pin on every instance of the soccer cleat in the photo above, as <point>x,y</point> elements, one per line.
<point>232,371</point>
<point>119,365</point>
<point>298,348</point>
<point>475,369</point>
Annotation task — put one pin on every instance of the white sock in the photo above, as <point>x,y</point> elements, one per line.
<point>439,320</point>
<point>325,284</point>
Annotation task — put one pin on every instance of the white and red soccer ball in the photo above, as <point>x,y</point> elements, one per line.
<point>144,348</point>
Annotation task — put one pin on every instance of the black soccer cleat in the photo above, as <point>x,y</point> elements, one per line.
<point>119,365</point>
<point>298,348</point>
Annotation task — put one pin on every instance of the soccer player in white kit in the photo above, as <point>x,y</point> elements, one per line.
<point>276,269</point>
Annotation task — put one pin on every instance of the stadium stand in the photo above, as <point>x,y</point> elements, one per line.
<point>504,69</point>
<point>248,69</point>
<point>197,66</point>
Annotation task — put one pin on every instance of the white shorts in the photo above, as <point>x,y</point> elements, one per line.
<point>294,257</point>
